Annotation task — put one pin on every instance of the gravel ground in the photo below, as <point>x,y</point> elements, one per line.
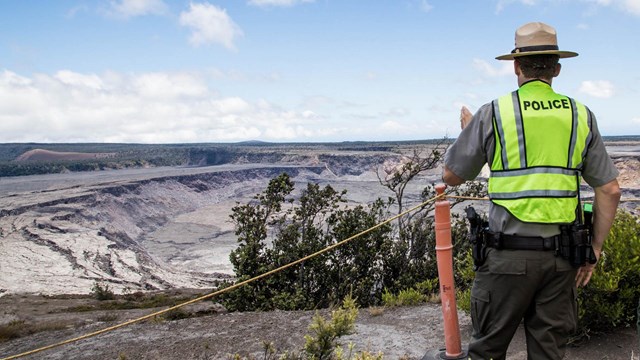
<point>399,333</point>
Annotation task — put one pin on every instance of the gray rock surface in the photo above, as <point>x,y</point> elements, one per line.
<point>399,333</point>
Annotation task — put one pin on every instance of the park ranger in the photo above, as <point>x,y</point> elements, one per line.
<point>538,145</point>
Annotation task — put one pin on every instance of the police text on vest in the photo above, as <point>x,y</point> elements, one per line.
<point>546,105</point>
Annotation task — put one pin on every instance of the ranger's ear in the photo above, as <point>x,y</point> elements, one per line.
<point>558,68</point>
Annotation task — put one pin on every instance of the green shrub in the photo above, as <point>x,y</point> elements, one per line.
<point>339,354</point>
<point>611,297</point>
<point>464,275</point>
<point>427,287</point>
<point>410,297</point>
<point>325,332</point>
<point>276,228</point>
<point>273,231</point>
<point>406,297</point>
<point>463,300</point>
<point>388,298</point>
<point>102,292</point>
<point>422,292</point>
<point>322,342</point>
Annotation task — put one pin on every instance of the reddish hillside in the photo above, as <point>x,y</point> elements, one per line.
<point>46,155</point>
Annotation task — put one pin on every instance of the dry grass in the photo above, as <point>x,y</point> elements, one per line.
<point>376,310</point>
<point>109,317</point>
<point>20,328</point>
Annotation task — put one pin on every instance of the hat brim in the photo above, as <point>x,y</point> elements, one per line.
<point>561,54</point>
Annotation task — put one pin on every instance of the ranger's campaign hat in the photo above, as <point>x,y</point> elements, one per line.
<point>536,38</point>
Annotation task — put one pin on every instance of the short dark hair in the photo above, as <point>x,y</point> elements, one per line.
<point>538,66</point>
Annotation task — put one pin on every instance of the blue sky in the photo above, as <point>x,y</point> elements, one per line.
<point>160,71</point>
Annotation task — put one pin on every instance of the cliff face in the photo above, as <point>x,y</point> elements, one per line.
<point>70,239</point>
<point>153,230</point>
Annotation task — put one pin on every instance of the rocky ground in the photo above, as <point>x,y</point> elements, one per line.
<point>399,333</point>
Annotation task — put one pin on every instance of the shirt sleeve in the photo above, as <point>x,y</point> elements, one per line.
<point>466,156</point>
<point>598,168</point>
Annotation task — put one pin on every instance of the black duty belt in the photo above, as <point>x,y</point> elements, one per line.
<point>514,242</point>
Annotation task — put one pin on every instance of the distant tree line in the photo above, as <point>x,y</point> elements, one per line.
<point>140,155</point>
<point>127,156</point>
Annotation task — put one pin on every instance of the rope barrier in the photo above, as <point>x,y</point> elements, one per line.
<point>232,287</point>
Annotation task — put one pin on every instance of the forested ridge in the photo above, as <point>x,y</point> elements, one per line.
<point>154,155</point>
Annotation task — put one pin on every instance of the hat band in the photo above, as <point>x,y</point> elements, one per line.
<point>534,48</point>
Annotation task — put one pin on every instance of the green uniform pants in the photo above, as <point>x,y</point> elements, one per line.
<point>513,285</point>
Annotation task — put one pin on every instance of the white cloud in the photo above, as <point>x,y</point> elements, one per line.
<point>370,75</point>
<point>239,76</point>
<point>472,96</point>
<point>502,4</point>
<point>486,69</point>
<point>629,6</point>
<point>210,24</point>
<point>583,26</point>
<point>598,88</point>
<point>168,86</point>
<point>71,13</point>
<point>308,114</point>
<point>636,120</point>
<point>150,108</point>
<point>403,129</point>
<point>632,6</point>
<point>393,127</point>
<point>132,8</point>
<point>8,78</point>
<point>318,102</point>
<point>425,6</point>
<point>278,2</point>
<point>91,81</point>
<point>397,112</point>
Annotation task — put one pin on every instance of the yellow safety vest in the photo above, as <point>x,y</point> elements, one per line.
<point>541,141</point>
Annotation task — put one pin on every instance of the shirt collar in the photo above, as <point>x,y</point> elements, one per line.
<point>539,82</point>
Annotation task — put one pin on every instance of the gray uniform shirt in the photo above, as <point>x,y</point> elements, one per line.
<point>475,147</point>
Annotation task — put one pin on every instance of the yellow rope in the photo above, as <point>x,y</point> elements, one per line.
<point>232,287</point>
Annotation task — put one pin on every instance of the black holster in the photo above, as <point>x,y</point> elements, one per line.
<point>575,245</point>
<point>477,231</point>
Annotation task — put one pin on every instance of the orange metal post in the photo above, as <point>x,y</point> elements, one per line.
<point>444,255</point>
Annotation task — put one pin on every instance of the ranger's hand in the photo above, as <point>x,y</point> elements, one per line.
<point>465,117</point>
<point>585,272</point>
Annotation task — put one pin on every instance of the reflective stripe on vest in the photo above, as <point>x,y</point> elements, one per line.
<point>541,141</point>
